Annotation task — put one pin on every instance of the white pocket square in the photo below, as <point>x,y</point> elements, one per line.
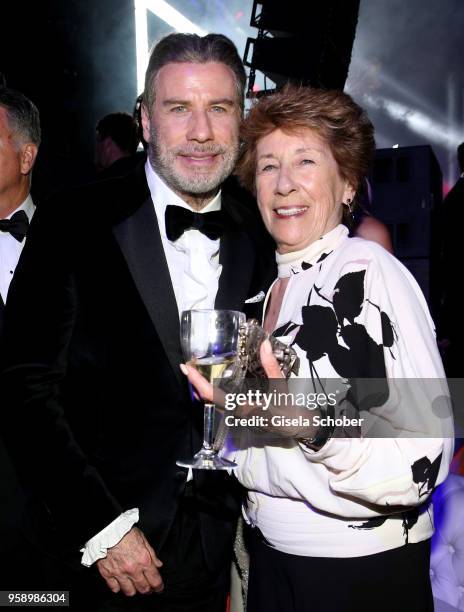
<point>259,297</point>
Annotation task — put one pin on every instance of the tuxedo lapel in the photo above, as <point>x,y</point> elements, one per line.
<point>140,242</point>
<point>236,256</point>
<point>247,256</point>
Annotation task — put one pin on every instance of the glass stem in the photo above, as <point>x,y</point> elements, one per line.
<point>208,426</point>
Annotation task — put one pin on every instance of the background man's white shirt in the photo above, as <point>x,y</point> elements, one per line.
<point>10,250</point>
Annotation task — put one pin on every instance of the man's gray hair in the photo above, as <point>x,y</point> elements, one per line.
<point>178,48</point>
<point>22,114</point>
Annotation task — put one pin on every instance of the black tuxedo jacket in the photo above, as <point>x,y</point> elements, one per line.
<point>95,408</point>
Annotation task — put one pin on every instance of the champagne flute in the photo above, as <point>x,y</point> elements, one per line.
<point>209,340</point>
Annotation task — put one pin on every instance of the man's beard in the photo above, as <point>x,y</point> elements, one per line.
<point>192,183</point>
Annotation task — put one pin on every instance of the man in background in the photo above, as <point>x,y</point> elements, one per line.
<point>19,143</point>
<point>116,145</point>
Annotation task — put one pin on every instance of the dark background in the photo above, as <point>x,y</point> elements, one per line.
<point>77,60</point>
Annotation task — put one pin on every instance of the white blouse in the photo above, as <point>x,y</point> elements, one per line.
<point>350,311</point>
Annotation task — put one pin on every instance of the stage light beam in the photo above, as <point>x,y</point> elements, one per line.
<point>169,15</point>
<point>416,121</point>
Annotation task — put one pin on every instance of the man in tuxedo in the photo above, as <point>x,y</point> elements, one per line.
<point>98,409</point>
<point>19,142</point>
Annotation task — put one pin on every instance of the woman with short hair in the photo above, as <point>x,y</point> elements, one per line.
<point>337,522</point>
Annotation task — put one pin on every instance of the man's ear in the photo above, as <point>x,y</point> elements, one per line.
<point>28,157</point>
<point>145,124</point>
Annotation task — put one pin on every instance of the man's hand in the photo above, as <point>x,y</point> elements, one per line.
<point>132,566</point>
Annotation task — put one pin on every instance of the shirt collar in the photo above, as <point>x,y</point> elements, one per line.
<point>297,261</point>
<point>27,206</point>
<point>162,196</point>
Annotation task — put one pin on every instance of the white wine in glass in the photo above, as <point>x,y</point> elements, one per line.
<point>212,367</point>
<point>209,340</point>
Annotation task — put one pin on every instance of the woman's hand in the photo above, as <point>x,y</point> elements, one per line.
<point>269,362</point>
<point>204,388</point>
<point>277,386</point>
<point>208,393</point>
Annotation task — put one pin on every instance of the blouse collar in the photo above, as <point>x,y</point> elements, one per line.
<point>297,261</point>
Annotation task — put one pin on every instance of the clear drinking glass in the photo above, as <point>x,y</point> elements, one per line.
<point>209,340</point>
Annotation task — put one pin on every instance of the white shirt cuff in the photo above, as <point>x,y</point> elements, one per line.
<point>96,548</point>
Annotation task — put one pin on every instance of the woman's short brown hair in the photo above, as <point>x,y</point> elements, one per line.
<point>332,114</point>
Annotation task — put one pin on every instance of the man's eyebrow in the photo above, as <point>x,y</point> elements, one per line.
<point>173,101</point>
<point>226,101</point>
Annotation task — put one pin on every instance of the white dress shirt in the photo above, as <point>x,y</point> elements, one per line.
<point>193,259</point>
<point>10,250</point>
<point>193,262</point>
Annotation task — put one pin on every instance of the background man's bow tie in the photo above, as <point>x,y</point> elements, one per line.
<point>178,220</point>
<point>17,226</point>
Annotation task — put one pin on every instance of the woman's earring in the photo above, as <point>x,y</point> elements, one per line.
<point>350,209</point>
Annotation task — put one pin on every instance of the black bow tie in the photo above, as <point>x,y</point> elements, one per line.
<point>17,226</point>
<point>178,220</point>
